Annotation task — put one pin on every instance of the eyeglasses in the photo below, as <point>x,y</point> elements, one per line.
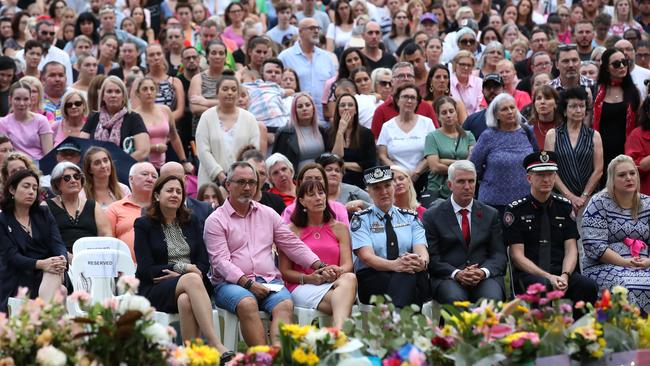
<point>576,106</point>
<point>69,177</point>
<point>467,42</point>
<point>619,63</point>
<point>45,33</point>
<point>385,83</point>
<point>567,47</point>
<point>408,98</point>
<point>77,103</point>
<point>542,64</point>
<point>244,182</point>
<point>467,66</point>
<point>313,28</point>
<point>404,77</point>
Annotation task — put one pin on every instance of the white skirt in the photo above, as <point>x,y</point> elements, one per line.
<point>309,296</point>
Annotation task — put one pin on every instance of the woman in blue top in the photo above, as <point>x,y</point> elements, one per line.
<point>499,153</point>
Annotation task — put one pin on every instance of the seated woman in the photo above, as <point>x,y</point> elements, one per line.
<point>210,193</point>
<point>331,290</point>
<point>281,176</point>
<point>405,195</point>
<point>173,262</point>
<point>101,184</point>
<point>76,217</point>
<point>613,220</point>
<point>32,253</point>
<point>390,246</point>
<point>313,171</point>
<point>353,197</point>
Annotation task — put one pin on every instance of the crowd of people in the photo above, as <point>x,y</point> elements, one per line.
<point>339,149</point>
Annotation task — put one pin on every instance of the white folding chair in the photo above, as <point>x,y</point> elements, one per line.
<point>231,331</point>
<point>99,242</point>
<point>306,316</point>
<point>101,266</point>
<point>14,304</point>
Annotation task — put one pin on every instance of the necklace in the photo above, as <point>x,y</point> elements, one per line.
<point>543,132</point>
<point>28,227</point>
<point>74,220</point>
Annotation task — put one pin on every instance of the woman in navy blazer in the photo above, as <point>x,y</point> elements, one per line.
<point>32,253</point>
<point>173,262</point>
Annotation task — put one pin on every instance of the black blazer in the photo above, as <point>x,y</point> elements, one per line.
<point>200,209</point>
<point>18,254</point>
<point>286,143</point>
<point>447,248</point>
<point>151,249</point>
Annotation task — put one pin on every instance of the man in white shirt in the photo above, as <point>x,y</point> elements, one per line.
<point>283,29</point>
<point>309,11</point>
<point>45,34</point>
<point>639,74</point>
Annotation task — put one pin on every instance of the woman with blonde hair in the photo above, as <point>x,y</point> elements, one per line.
<point>614,220</point>
<point>101,182</point>
<point>37,96</point>
<point>14,162</point>
<point>465,86</point>
<point>75,112</point>
<point>622,19</point>
<point>405,195</point>
<point>87,66</point>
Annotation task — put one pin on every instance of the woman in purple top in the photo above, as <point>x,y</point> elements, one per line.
<point>499,154</point>
<point>234,17</point>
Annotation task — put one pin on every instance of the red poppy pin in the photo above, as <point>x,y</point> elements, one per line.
<point>479,214</point>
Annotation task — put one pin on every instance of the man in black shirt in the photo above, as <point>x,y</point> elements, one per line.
<point>375,56</point>
<point>7,76</point>
<point>190,59</point>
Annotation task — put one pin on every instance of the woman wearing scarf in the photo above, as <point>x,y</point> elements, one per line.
<point>617,102</point>
<point>116,123</point>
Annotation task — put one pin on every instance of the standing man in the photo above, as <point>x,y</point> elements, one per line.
<point>414,54</point>
<point>644,14</point>
<point>107,18</point>
<point>45,34</point>
<point>639,74</point>
<point>583,36</point>
<point>539,62</point>
<point>541,232</point>
<point>568,62</point>
<point>54,86</point>
<point>475,122</point>
<point>7,77</point>
<point>375,56</point>
<point>538,42</point>
<point>468,259</point>
<point>191,59</point>
<point>313,65</point>
<point>239,237</point>
<point>602,23</point>
<point>309,11</point>
<point>283,29</point>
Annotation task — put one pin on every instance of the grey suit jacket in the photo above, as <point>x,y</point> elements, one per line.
<point>447,248</point>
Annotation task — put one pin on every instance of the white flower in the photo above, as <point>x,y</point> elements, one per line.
<point>135,303</point>
<point>158,334</point>
<point>422,343</point>
<point>128,284</point>
<point>314,336</point>
<point>51,356</point>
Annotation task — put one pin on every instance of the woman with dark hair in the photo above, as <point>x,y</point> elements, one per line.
<point>351,58</point>
<point>438,86</point>
<point>348,139</point>
<point>331,290</point>
<point>545,114</point>
<point>18,27</point>
<point>88,25</point>
<point>488,35</point>
<point>107,54</point>
<point>339,32</point>
<point>400,31</point>
<point>433,51</point>
<point>142,29</point>
<point>210,193</point>
<point>302,139</point>
<point>445,146</point>
<point>637,146</point>
<point>579,150</point>
<point>173,262</point>
<point>234,18</point>
<point>617,102</point>
<point>525,17</point>
<point>101,184</point>
<point>170,89</point>
<point>203,87</point>
<point>32,253</point>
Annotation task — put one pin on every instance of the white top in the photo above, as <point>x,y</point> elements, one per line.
<point>639,76</point>
<point>53,54</point>
<point>367,105</point>
<point>459,217</point>
<point>406,149</point>
<point>340,37</point>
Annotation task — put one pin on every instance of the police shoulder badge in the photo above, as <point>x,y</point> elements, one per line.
<point>508,219</point>
<point>355,224</point>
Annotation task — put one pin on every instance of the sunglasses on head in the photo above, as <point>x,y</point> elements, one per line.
<point>619,63</point>
<point>69,177</point>
<point>78,103</point>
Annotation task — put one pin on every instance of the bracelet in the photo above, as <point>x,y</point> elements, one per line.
<point>183,161</point>
<point>248,284</point>
<point>568,274</point>
<point>585,194</point>
<point>322,265</point>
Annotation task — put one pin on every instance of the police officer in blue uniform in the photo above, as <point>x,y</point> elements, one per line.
<point>390,246</point>
<point>541,232</point>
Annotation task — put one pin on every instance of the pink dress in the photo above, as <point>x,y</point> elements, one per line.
<point>158,134</point>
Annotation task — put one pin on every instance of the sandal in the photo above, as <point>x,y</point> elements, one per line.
<point>227,356</point>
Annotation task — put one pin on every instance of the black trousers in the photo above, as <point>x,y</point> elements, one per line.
<point>580,288</point>
<point>403,288</point>
<point>449,291</point>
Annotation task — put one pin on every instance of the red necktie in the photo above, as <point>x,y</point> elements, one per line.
<point>464,224</point>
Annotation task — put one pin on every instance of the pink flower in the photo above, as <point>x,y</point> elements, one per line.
<point>500,330</point>
<point>171,331</point>
<point>80,296</point>
<point>416,357</point>
<point>544,301</point>
<point>128,284</point>
<point>534,299</point>
<point>554,295</point>
<point>565,308</point>
<point>535,289</point>
<point>580,304</point>
<point>22,293</point>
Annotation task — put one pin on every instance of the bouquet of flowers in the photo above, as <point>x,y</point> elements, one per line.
<point>194,354</point>
<point>617,317</point>
<point>307,345</point>
<point>521,347</point>
<point>585,341</point>
<point>256,356</point>
<point>408,355</point>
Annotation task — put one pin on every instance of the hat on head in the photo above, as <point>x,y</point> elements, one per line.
<point>69,146</point>
<point>377,174</point>
<point>493,78</point>
<point>541,161</point>
<point>429,17</point>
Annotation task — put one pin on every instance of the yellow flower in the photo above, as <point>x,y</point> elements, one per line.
<point>296,331</point>
<point>45,338</point>
<point>261,349</point>
<point>341,340</point>
<point>202,355</point>
<point>522,309</point>
<point>309,358</point>
<point>462,304</point>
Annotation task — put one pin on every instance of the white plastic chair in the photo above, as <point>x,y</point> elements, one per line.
<point>166,319</point>
<point>101,266</point>
<point>99,242</point>
<point>14,304</point>
<point>231,331</point>
<point>306,316</point>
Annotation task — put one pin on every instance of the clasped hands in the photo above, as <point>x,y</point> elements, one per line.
<point>55,265</point>
<point>327,274</point>
<point>470,276</point>
<point>638,262</point>
<point>410,263</point>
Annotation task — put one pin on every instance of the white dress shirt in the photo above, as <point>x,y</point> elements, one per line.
<point>459,218</point>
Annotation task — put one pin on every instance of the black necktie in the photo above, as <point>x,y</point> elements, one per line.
<point>392,249</point>
<point>545,239</point>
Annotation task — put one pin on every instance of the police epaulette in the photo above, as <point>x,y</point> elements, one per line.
<point>362,212</point>
<point>518,202</point>
<point>560,198</point>
<point>406,211</point>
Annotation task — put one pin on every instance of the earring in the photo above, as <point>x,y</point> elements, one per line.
<point>304,210</point>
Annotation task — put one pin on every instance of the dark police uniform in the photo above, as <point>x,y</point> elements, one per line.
<point>373,227</point>
<point>543,227</point>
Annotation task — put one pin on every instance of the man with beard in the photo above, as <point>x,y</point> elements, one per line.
<point>583,35</point>
<point>644,14</point>
<point>45,34</point>
<point>568,62</point>
<point>239,238</point>
<point>7,76</point>
<point>475,122</point>
<point>639,74</point>
<point>313,65</point>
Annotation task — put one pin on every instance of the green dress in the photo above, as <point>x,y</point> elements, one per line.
<point>445,147</point>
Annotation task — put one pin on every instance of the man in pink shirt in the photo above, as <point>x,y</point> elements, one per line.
<point>239,237</point>
<point>403,73</point>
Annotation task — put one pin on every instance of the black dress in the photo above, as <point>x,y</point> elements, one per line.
<point>365,155</point>
<point>71,229</point>
<point>612,128</point>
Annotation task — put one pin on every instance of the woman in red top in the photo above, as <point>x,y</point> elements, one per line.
<point>281,174</point>
<point>637,146</point>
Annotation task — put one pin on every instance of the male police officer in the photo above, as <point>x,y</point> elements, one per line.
<point>390,245</point>
<point>541,231</point>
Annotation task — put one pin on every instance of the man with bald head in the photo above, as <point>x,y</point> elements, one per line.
<point>375,57</point>
<point>200,209</point>
<point>313,65</point>
<point>639,74</point>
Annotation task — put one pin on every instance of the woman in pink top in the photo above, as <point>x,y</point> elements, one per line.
<point>332,289</point>
<point>75,112</point>
<point>160,124</point>
<point>234,17</point>
<point>29,132</point>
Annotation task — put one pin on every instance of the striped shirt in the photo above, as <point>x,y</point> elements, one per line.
<point>575,165</point>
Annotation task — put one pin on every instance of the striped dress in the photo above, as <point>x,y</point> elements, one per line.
<point>575,165</point>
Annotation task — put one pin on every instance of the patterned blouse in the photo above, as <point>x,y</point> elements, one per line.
<point>178,251</point>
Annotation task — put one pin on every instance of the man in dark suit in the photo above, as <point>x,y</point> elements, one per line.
<point>468,259</point>
<point>200,209</point>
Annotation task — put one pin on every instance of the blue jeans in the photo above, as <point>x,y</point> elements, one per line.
<point>227,296</point>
